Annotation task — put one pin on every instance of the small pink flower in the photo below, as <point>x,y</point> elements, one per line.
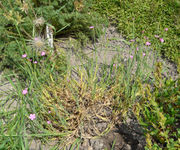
<point>144,54</point>
<point>148,43</point>
<point>114,65</point>
<point>137,48</point>
<point>166,29</point>
<point>24,55</point>
<point>132,40</point>
<point>91,27</point>
<point>143,31</point>
<point>156,36</point>
<point>30,59</point>
<point>35,62</point>
<point>49,111</point>
<point>32,116</point>
<point>36,38</point>
<point>43,53</point>
<point>68,80</point>
<point>25,91</point>
<point>131,56</point>
<point>48,122</point>
<point>162,40</point>
<point>145,37</point>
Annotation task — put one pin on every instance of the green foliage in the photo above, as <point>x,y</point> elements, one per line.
<point>73,14</point>
<point>158,113</point>
<point>67,19</point>
<point>151,16</point>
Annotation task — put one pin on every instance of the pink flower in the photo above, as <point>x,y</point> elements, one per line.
<point>43,53</point>
<point>162,40</point>
<point>24,55</point>
<point>91,27</point>
<point>32,116</point>
<point>114,65</point>
<point>137,48</point>
<point>30,59</point>
<point>49,111</point>
<point>25,91</point>
<point>131,56</point>
<point>145,37</point>
<point>142,31</point>
<point>148,43</point>
<point>166,29</point>
<point>35,62</point>
<point>144,54</point>
<point>48,122</point>
<point>156,36</point>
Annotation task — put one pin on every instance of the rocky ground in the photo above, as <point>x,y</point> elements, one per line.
<point>126,135</point>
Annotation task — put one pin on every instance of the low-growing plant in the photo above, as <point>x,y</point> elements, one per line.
<point>158,112</point>
<point>146,19</point>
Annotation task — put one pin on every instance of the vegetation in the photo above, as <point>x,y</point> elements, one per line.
<point>158,112</point>
<point>145,19</point>
<point>49,104</point>
<point>27,20</point>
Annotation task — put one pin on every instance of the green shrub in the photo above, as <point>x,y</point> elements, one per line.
<point>158,113</point>
<point>151,16</point>
<point>17,23</point>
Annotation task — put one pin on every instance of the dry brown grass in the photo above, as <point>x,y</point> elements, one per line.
<point>75,107</point>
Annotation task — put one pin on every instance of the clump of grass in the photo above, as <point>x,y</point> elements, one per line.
<point>16,127</point>
<point>73,104</point>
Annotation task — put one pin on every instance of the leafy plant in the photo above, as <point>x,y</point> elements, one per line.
<point>158,113</point>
